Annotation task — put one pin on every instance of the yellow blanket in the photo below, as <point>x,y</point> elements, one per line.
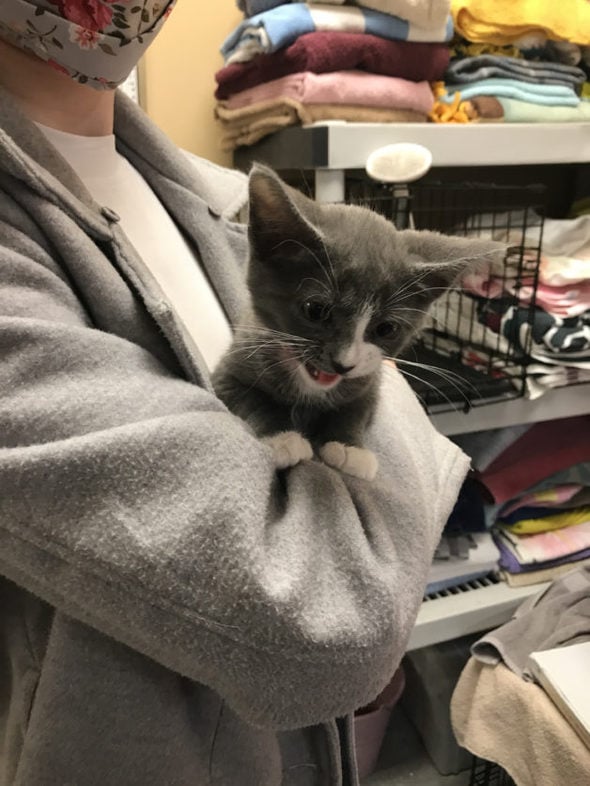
<point>503,22</point>
<point>566,518</point>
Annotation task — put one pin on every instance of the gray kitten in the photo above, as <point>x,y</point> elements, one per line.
<point>334,289</point>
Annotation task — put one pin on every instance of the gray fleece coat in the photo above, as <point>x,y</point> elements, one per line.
<point>173,612</point>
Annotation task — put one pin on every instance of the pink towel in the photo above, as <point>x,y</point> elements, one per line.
<point>340,87</point>
<point>328,50</point>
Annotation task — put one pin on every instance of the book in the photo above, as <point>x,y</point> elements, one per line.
<point>564,674</point>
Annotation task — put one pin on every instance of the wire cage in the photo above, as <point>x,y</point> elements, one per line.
<point>487,773</point>
<point>473,349</point>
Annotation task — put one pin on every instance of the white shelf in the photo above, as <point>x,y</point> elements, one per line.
<point>446,618</point>
<point>349,144</point>
<point>337,145</point>
<point>559,403</point>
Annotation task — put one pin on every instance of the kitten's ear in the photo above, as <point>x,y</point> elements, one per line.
<point>279,213</point>
<point>444,259</point>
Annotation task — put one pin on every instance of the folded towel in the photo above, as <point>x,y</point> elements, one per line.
<point>424,13</point>
<point>549,95</point>
<point>280,26</point>
<point>504,21</point>
<point>526,112</point>
<point>248,125</point>
<point>323,52</point>
<point>473,69</point>
<point>341,87</point>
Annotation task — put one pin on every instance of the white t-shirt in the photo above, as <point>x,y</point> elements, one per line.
<point>114,183</point>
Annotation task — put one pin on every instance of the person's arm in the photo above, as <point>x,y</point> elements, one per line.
<point>134,502</point>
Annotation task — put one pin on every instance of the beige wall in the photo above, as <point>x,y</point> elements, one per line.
<point>177,74</point>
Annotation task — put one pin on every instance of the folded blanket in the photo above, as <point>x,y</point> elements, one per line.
<point>503,21</point>
<point>425,13</point>
<point>280,26</point>
<point>473,69</point>
<point>547,95</point>
<point>533,521</point>
<point>327,51</point>
<point>516,111</point>
<point>340,87</point>
<point>250,124</point>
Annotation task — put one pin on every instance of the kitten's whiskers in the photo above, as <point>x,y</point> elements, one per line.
<point>446,374</point>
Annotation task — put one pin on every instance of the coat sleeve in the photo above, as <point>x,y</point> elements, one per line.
<point>134,502</point>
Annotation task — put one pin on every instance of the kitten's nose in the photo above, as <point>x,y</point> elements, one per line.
<point>339,368</point>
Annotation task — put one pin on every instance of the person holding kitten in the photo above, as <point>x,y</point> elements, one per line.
<point>175,609</point>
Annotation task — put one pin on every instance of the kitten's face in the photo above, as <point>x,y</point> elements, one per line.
<point>342,282</point>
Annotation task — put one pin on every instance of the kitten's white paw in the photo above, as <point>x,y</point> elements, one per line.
<point>289,448</point>
<point>359,462</point>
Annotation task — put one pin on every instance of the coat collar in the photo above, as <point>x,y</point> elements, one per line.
<point>201,197</point>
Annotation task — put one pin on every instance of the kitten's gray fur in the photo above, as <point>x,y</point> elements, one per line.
<point>352,266</point>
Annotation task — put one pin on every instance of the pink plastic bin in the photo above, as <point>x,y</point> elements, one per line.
<point>371,722</point>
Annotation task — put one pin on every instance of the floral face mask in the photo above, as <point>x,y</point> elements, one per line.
<point>96,42</point>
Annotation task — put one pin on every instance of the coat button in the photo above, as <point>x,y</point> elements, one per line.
<point>110,215</point>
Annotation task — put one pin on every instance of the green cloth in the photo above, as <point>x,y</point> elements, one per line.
<point>524,112</point>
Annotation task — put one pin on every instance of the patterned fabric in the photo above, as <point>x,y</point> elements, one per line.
<point>553,337</point>
<point>96,42</point>
<point>543,336</point>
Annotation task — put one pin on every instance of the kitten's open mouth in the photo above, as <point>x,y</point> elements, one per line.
<point>323,378</point>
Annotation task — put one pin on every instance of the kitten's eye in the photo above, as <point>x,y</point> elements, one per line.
<point>316,310</point>
<point>385,329</point>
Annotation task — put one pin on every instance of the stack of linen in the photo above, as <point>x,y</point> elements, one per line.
<point>293,63</point>
<point>542,316</point>
<point>540,491</point>
<point>524,62</point>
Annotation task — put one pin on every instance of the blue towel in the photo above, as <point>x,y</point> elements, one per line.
<point>548,95</point>
<point>279,27</point>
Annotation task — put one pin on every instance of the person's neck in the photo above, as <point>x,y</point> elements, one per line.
<point>53,99</point>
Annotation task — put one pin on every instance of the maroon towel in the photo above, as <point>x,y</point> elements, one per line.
<point>323,52</point>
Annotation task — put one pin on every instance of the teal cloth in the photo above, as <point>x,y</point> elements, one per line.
<point>525,112</point>
<point>548,95</point>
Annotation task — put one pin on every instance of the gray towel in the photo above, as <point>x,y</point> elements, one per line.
<point>558,616</point>
<point>472,69</point>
